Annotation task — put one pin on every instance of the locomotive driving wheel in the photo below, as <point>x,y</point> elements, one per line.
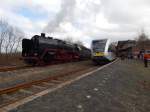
<point>48,58</point>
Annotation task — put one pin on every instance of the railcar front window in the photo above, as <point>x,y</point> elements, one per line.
<point>99,46</point>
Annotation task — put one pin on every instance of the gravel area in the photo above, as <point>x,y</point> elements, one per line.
<point>12,78</point>
<point>122,87</point>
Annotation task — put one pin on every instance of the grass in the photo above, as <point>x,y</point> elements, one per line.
<point>13,59</point>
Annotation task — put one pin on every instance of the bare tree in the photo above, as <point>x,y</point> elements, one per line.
<point>10,38</point>
<point>3,32</point>
<point>1,40</point>
<point>12,44</point>
<point>18,44</point>
<point>142,37</point>
<point>142,41</point>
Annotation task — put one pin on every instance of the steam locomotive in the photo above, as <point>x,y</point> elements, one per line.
<point>45,50</point>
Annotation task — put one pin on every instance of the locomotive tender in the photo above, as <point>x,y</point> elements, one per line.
<point>45,50</point>
<point>103,51</point>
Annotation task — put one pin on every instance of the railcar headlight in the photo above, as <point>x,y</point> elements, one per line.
<point>99,54</point>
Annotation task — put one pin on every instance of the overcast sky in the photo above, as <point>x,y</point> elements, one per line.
<point>80,19</point>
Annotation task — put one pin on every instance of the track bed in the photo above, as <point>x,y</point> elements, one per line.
<point>19,84</point>
<point>15,77</point>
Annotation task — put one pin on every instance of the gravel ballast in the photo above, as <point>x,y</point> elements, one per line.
<point>121,87</point>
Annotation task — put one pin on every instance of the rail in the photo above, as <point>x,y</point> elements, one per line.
<point>38,84</point>
<point>12,68</point>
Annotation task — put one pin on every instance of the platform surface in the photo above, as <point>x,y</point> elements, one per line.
<point>121,87</point>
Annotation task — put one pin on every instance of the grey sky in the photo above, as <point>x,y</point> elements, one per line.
<point>80,19</point>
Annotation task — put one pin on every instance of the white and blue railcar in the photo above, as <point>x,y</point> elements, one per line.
<point>103,51</point>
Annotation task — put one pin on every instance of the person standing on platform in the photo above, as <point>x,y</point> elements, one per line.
<point>146,58</point>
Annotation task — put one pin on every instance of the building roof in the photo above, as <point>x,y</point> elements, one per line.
<point>125,44</point>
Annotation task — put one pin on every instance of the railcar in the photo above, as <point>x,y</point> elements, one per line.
<point>45,50</point>
<point>103,51</point>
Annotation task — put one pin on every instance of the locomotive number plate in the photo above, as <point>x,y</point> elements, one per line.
<point>99,54</point>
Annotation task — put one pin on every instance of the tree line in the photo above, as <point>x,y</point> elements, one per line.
<point>142,41</point>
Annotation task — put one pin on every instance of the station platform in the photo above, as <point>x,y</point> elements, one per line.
<point>124,86</point>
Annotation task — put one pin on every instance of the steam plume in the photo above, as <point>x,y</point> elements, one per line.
<point>65,14</point>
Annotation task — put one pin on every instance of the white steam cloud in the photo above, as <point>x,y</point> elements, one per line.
<point>66,13</point>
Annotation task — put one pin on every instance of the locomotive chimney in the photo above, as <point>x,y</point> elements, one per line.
<point>42,34</point>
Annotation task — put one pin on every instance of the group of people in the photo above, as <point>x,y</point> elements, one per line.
<point>143,55</point>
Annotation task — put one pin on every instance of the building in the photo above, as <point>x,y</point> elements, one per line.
<point>125,48</point>
<point>132,48</point>
<point>140,48</point>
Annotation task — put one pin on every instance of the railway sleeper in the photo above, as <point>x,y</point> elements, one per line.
<point>25,91</point>
<point>9,97</point>
<point>56,81</point>
<point>48,84</point>
<point>38,87</point>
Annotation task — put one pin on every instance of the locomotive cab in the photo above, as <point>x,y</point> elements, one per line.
<point>30,47</point>
<point>27,45</point>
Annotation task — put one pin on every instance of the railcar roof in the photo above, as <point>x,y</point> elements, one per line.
<point>99,40</point>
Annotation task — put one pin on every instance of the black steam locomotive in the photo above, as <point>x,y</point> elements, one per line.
<point>46,50</point>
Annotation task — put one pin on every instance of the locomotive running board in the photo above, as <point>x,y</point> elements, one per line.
<point>32,97</point>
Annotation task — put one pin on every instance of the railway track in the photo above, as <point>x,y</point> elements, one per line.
<point>12,68</point>
<point>16,93</point>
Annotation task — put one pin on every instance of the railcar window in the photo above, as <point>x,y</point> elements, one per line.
<point>99,46</point>
<point>110,49</point>
<point>147,51</point>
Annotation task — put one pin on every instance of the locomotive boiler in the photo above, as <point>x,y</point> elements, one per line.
<point>45,50</point>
